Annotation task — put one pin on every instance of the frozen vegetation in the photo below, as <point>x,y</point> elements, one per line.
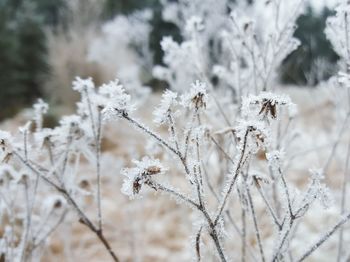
<point>229,166</point>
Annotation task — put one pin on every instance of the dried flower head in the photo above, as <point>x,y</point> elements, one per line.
<point>137,176</point>
<point>197,97</point>
<point>265,104</point>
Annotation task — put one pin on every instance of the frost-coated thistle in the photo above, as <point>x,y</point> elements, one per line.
<point>225,151</point>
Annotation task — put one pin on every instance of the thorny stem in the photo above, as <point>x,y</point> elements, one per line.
<point>324,238</point>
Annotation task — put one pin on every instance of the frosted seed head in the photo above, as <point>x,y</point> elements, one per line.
<point>137,176</point>
<point>266,105</point>
<point>197,97</point>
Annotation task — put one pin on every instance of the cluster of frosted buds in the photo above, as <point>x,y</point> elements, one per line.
<point>197,97</point>
<point>137,176</point>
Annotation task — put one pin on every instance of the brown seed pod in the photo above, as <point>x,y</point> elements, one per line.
<point>58,204</point>
<point>198,101</point>
<point>136,186</point>
<point>153,170</point>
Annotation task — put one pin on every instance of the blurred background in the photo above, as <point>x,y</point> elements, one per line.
<point>45,44</point>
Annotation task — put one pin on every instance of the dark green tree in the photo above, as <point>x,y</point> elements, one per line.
<point>23,52</point>
<point>312,61</point>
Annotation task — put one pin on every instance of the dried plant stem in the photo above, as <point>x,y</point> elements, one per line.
<point>52,229</point>
<point>324,238</point>
<point>83,217</point>
<point>157,186</point>
<point>213,232</point>
<point>98,169</point>
<point>244,235</point>
<point>343,199</point>
<point>257,231</point>
<point>173,132</point>
<point>233,180</point>
<point>289,202</point>
<point>335,145</point>
<point>269,207</point>
<point>242,232</point>
<point>198,244</point>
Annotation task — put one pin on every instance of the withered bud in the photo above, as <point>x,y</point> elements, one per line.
<point>268,107</point>
<point>198,100</point>
<point>153,170</point>
<point>84,184</point>
<point>260,179</point>
<point>136,186</point>
<point>57,204</point>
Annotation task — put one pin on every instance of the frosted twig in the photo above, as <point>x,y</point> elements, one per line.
<point>233,180</point>
<point>343,200</point>
<point>257,231</point>
<point>318,243</point>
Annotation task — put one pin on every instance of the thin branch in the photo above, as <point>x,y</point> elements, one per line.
<point>324,238</point>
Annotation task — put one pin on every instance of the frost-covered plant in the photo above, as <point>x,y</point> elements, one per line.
<point>223,152</point>
<point>127,38</point>
<point>241,43</point>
